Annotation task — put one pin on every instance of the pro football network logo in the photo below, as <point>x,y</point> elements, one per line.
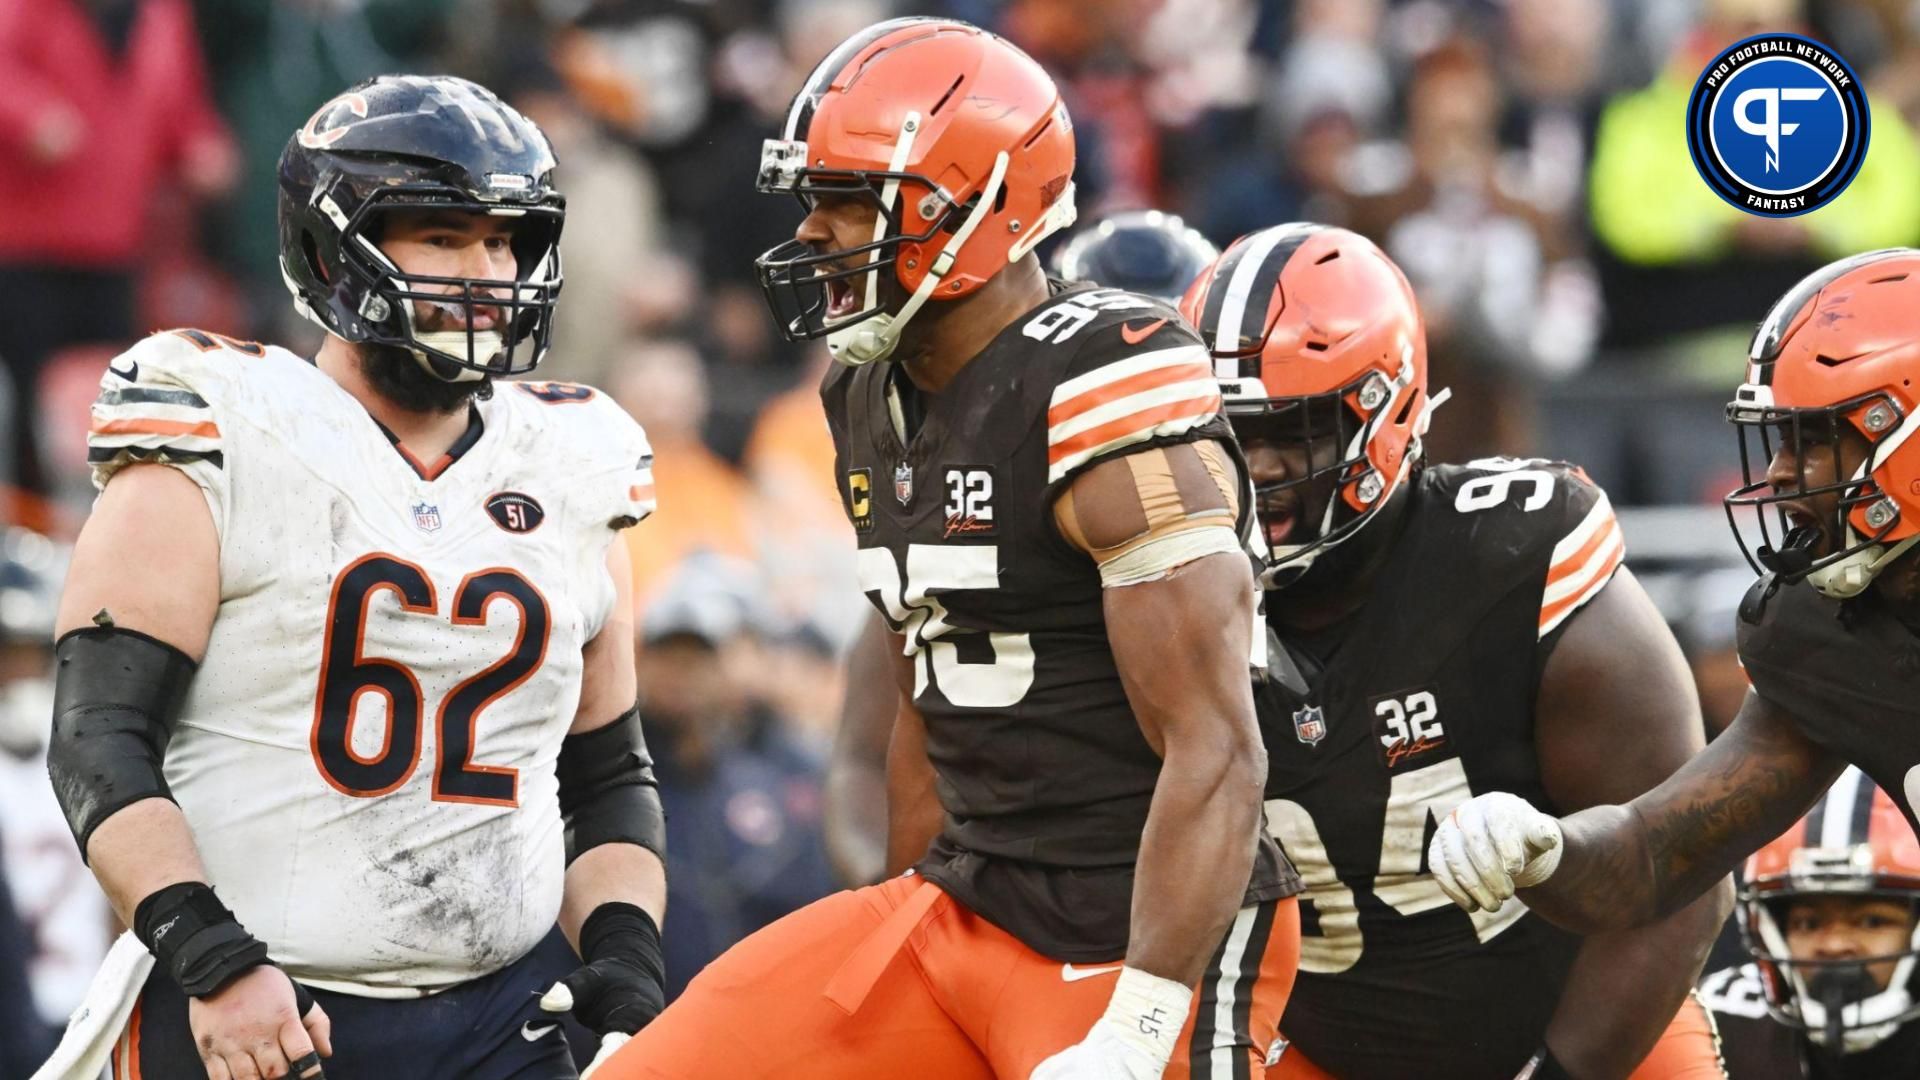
<point>426,517</point>
<point>1777,125</point>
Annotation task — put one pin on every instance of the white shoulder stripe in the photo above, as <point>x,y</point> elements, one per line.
<point>1189,353</point>
<point>1575,576</point>
<point>1600,517</point>
<point>1106,412</point>
<point>1166,429</point>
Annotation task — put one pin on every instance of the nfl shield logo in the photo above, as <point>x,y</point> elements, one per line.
<point>903,483</point>
<point>426,517</point>
<point>1309,724</point>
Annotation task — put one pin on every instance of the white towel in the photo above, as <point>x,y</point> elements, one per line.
<point>96,1025</point>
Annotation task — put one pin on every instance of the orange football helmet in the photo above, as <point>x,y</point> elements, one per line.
<point>1854,842</point>
<point>962,142</point>
<point>1840,348</point>
<point>1315,324</point>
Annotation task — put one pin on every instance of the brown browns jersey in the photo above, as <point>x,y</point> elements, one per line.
<point>1041,766</point>
<point>1848,672</point>
<point>1755,1046</point>
<point>1422,699</point>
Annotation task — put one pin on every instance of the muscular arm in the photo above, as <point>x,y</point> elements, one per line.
<point>608,686</point>
<point>1617,714</point>
<point>149,516</point>
<point>1628,865</point>
<point>856,789</point>
<point>1180,642</point>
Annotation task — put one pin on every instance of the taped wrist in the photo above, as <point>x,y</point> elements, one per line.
<point>623,931</point>
<point>116,695</point>
<point>195,939</point>
<point>608,794</point>
<point>625,975</point>
<point>1147,1012</point>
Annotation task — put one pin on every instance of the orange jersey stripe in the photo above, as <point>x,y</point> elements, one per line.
<point>1568,602</point>
<point>205,429</point>
<point>133,1043</point>
<point>1572,563</point>
<point>1132,384</point>
<point>1132,422</point>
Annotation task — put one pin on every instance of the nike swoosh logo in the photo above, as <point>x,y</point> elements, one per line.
<point>131,374</point>
<point>1133,336</point>
<point>529,1032</point>
<point>1069,973</point>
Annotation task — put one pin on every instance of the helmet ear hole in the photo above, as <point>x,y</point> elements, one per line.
<point>311,251</point>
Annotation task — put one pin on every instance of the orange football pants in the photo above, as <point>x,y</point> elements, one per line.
<point>901,980</point>
<point>1688,1050</point>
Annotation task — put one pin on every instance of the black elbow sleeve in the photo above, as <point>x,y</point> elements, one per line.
<point>608,794</point>
<point>116,695</point>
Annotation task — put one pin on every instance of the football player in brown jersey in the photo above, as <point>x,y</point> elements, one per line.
<point>1440,629</point>
<point>1830,912</point>
<point>1829,636</point>
<point>1048,505</point>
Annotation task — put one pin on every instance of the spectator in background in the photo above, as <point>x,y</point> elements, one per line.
<point>744,801</point>
<point>54,923</point>
<point>1476,250</point>
<point>1680,259</point>
<point>105,102</point>
<point>616,280</point>
<point>807,548</point>
<point>25,1040</point>
<point>703,499</point>
<point>273,62</point>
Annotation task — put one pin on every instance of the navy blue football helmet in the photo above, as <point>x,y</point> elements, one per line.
<point>1144,251</point>
<point>411,142</point>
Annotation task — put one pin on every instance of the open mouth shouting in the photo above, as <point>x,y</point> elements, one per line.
<point>1279,518</point>
<point>842,300</point>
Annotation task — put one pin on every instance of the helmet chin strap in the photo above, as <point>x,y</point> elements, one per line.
<point>1846,578</point>
<point>874,338</point>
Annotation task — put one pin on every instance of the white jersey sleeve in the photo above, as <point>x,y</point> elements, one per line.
<point>160,402</point>
<point>608,450</point>
<point>607,459</point>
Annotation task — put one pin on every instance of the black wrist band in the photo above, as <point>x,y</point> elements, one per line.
<point>1544,1066</point>
<point>620,929</point>
<point>195,939</point>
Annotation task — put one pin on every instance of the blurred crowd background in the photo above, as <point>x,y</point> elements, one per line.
<point>1524,160</point>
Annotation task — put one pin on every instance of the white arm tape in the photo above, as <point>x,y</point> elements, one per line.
<point>1156,559</point>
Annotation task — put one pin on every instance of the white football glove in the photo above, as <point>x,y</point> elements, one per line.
<point>1133,1040</point>
<point>1491,845</point>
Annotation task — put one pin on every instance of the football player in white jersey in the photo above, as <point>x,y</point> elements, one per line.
<point>346,696</point>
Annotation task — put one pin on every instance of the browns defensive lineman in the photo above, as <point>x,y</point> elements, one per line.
<point>1439,630</point>
<point>346,652</point>
<point>1046,500</point>
<point>1829,636</point>
<point>1831,915</point>
<point>1149,252</point>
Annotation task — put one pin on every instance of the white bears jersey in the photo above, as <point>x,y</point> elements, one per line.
<point>366,754</point>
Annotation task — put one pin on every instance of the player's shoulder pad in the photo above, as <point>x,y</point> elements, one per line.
<point>1132,372</point>
<point>1735,991</point>
<point>1544,520</point>
<point>162,400</point>
<point>601,445</point>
